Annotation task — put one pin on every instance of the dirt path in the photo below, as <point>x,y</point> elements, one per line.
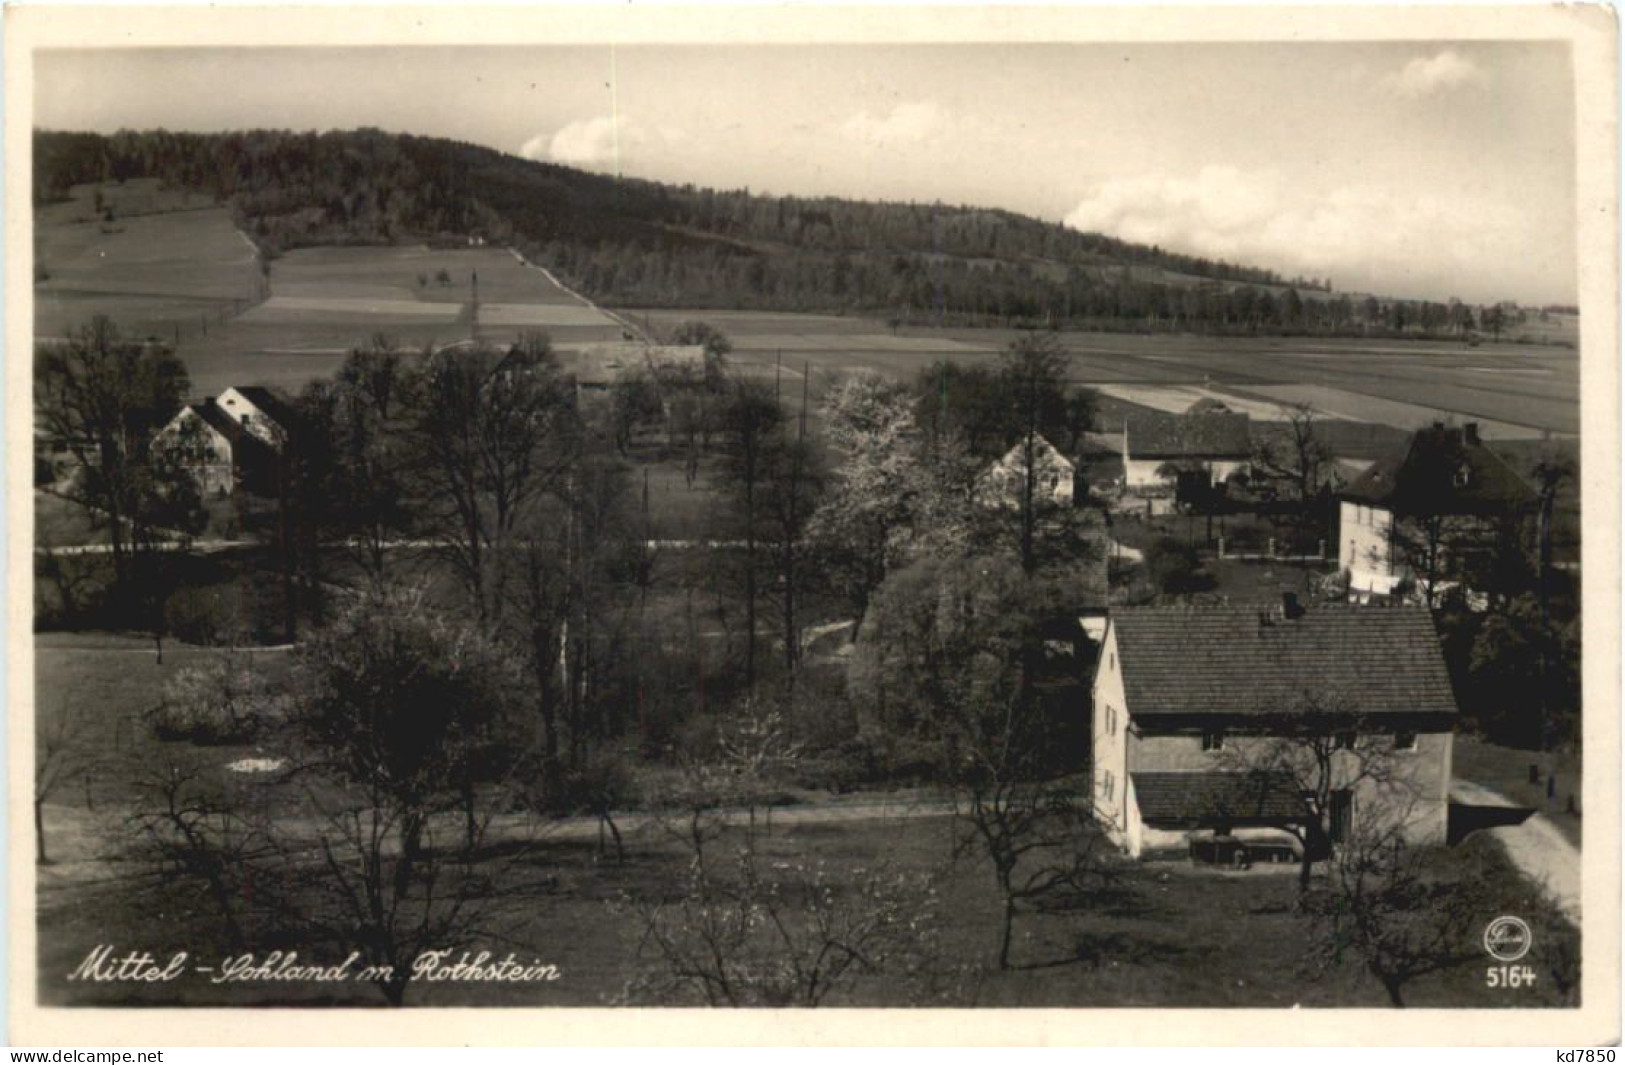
<point>632,327</point>
<point>1536,847</point>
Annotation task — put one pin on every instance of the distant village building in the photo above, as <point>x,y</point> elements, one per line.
<point>232,440</point>
<point>204,441</point>
<point>1004,482</point>
<point>1208,445</point>
<point>1447,474</point>
<point>262,413</point>
<point>1188,699</point>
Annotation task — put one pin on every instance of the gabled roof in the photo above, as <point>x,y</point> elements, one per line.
<point>277,408</point>
<point>1446,470</point>
<point>218,420</point>
<point>1202,435</point>
<point>1205,798</point>
<point>1046,456</point>
<point>1333,660</point>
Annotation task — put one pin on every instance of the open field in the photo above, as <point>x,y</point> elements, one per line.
<point>180,270</point>
<point>326,301</point>
<point>185,273</point>
<point>1514,391</point>
<point>1157,936</point>
<point>167,261</point>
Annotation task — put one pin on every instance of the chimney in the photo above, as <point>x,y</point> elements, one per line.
<point>1290,607</point>
<point>1470,431</point>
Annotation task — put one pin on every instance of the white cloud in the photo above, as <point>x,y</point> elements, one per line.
<point>905,123</point>
<point>1359,234</point>
<point>593,143</point>
<point>1430,75</point>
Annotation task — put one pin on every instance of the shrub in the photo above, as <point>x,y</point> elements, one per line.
<point>1174,569</point>
<point>221,701</point>
<point>196,615</point>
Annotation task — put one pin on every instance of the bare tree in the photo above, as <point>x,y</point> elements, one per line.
<point>491,435</point>
<point>104,398</point>
<point>195,831</point>
<point>1034,828</point>
<point>794,936</point>
<point>61,749</point>
<point>1382,905</point>
<point>1321,749</point>
<point>1299,463</point>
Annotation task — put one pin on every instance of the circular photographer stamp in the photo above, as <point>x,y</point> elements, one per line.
<point>1508,938</point>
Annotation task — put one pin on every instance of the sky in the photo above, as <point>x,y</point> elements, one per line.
<point>1423,169</point>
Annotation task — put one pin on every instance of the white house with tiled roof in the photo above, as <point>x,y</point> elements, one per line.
<point>1214,444</point>
<point>1448,476</point>
<point>1202,716</point>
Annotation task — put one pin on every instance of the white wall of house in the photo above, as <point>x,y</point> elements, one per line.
<point>1142,475</point>
<point>1365,549</point>
<point>203,450</point>
<point>1109,746</point>
<point>1413,788</point>
<point>1054,476</point>
<point>242,410</point>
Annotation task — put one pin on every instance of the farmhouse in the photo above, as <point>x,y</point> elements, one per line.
<point>1206,445</point>
<point>233,439</point>
<point>206,442</point>
<point>1228,722</point>
<point>1445,495</point>
<point>1004,482</point>
<point>262,413</point>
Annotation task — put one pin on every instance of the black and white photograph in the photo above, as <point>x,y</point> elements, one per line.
<point>643,522</point>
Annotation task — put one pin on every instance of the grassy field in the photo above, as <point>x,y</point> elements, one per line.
<point>1515,390</point>
<point>172,265</point>
<point>167,264</point>
<point>1158,935</point>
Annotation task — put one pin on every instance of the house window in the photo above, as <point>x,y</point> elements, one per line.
<point>1404,741</point>
<point>1111,721</point>
<point>1213,741</point>
<point>1464,473</point>
<point>1344,741</point>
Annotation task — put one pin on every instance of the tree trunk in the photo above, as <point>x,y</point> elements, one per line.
<point>750,609</point>
<point>1007,932</point>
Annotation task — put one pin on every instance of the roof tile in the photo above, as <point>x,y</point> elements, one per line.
<point>1332,659</point>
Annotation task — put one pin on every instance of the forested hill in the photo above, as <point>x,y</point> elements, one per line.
<point>638,242</point>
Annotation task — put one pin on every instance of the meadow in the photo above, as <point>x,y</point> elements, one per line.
<point>171,264</point>
<point>1155,934</point>
<point>1515,391</point>
<point>166,263</point>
